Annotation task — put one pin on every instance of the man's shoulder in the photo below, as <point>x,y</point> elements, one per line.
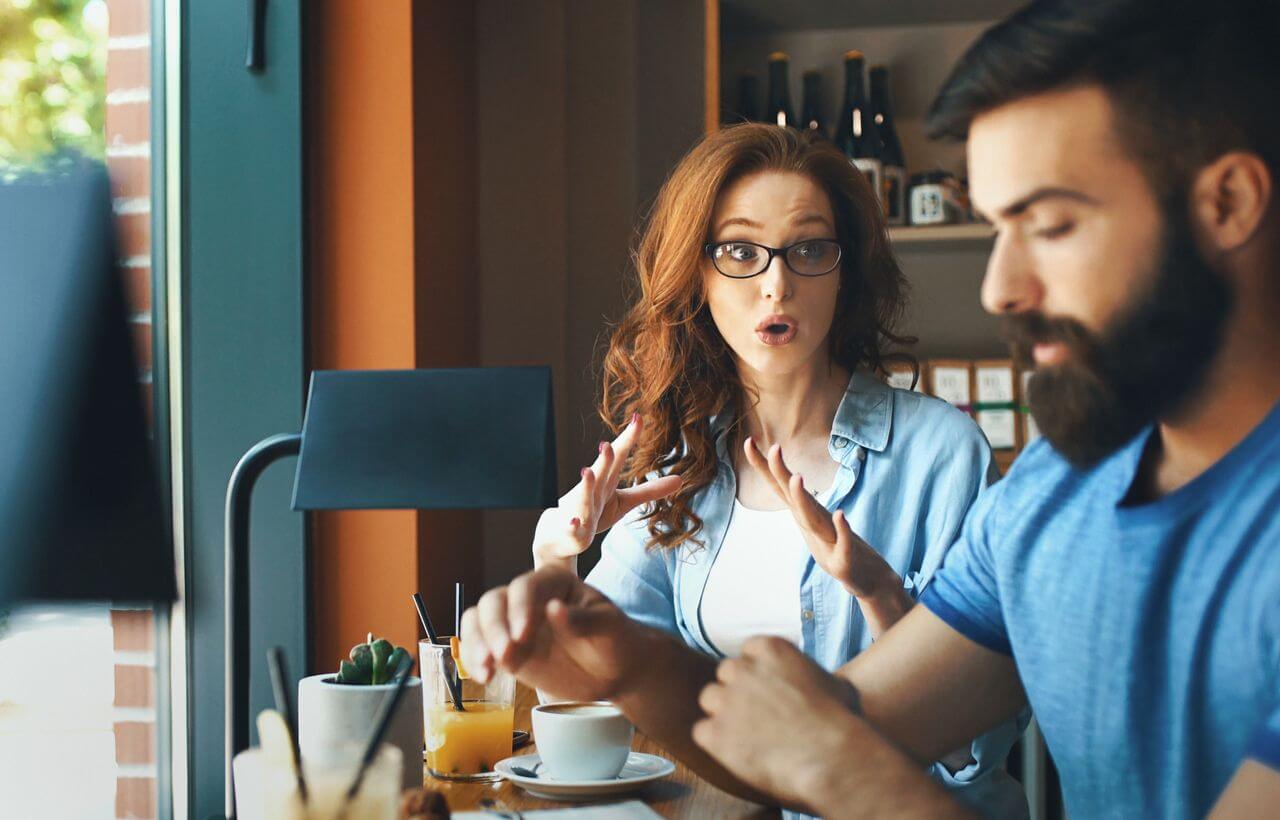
<point>1040,476</point>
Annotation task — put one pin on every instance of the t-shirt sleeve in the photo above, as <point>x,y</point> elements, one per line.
<point>634,578</point>
<point>1264,745</point>
<point>964,592</point>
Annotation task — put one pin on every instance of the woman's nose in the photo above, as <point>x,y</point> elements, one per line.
<point>775,282</point>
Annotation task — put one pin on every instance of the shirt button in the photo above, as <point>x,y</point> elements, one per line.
<point>807,614</point>
<point>841,443</point>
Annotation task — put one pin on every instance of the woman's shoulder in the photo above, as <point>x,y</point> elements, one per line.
<point>926,424</point>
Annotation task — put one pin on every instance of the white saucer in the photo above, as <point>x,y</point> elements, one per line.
<point>639,769</point>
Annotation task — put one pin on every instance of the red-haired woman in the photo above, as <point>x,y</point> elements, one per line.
<point>771,483</point>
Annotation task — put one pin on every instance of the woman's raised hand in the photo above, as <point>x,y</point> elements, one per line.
<point>837,549</point>
<point>596,503</point>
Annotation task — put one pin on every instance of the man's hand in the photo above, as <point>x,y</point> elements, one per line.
<point>553,632</point>
<point>778,721</point>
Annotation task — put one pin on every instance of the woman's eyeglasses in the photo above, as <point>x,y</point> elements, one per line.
<point>743,260</point>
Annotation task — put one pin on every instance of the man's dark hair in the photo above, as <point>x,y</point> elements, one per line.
<point>1193,78</point>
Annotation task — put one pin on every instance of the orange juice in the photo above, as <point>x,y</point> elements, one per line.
<point>470,742</point>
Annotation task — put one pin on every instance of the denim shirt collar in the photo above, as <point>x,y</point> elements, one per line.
<point>864,418</point>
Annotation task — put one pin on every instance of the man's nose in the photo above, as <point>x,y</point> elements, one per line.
<point>1010,284</point>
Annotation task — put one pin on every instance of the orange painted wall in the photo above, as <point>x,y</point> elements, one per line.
<point>361,280</point>
<point>392,221</point>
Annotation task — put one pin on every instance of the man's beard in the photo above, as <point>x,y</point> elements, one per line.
<point>1150,360</point>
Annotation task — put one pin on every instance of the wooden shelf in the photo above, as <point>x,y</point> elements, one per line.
<point>753,16</point>
<point>926,235</point>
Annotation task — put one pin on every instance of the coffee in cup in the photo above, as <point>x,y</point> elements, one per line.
<point>582,740</point>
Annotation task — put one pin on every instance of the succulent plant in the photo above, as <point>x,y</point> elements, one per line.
<point>373,662</point>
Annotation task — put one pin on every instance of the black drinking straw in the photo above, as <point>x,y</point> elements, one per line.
<point>459,594</point>
<point>380,726</point>
<point>284,705</point>
<point>455,691</point>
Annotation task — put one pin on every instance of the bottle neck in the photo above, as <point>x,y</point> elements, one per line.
<point>879,96</point>
<point>778,91</point>
<point>853,74</point>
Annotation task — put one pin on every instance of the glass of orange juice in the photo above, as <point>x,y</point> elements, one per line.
<point>463,745</point>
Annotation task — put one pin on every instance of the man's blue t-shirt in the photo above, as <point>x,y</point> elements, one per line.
<point>1147,636</point>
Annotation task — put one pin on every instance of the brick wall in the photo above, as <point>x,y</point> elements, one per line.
<point>128,140</point>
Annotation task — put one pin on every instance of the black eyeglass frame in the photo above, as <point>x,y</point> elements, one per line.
<point>710,248</point>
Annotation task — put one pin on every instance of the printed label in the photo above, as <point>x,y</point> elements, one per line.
<point>999,427</point>
<point>951,384</point>
<point>995,384</point>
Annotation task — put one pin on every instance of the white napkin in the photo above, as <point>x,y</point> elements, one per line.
<point>630,810</point>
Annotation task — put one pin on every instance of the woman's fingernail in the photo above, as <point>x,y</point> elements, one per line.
<point>602,446</point>
<point>635,417</point>
<point>585,471</point>
<point>575,522</point>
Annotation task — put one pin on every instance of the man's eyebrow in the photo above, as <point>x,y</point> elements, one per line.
<point>1020,205</point>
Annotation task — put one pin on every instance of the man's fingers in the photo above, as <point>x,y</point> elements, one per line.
<point>704,734</point>
<point>491,611</point>
<point>711,697</point>
<point>765,649</point>
<point>527,598</point>
<point>572,621</point>
<point>475,652</point>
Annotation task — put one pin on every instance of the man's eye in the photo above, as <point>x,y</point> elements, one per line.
<point>1056,231</point>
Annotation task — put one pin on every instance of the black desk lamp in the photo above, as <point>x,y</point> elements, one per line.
<point>480,438</point>
<point>80,513</point>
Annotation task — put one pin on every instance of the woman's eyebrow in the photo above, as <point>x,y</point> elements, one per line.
<point>807,219</point>
<point>738,220</point>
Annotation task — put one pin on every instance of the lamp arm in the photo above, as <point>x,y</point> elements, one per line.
<point>239,493</point>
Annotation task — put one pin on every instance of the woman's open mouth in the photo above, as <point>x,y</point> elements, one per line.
<point>776,330</point>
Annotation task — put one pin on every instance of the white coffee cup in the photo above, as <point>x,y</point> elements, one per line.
<point>581,740</point>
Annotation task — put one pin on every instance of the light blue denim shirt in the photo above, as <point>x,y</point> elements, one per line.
<point>910,468</point>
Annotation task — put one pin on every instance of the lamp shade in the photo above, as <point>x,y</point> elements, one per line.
<point>79,499</point>
<point>469,438</point>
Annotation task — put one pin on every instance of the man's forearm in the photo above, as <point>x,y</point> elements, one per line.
<point>661,699</point>
<point>885,781</point>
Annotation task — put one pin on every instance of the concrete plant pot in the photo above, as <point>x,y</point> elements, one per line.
<point>331,713</point>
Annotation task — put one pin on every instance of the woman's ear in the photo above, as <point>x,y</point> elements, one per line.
<point>1229,198</point>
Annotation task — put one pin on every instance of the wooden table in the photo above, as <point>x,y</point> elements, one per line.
<point>682,794</point>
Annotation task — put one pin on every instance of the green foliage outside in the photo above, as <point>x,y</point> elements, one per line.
<point>53,61</point>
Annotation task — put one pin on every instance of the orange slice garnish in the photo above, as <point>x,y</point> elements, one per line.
<point>455,649</point>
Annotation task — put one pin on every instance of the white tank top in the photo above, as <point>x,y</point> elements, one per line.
<point>753,588</point>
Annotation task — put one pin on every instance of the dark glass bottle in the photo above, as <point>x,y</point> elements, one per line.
<point>894,164</point>
<point>856,133</point>
<point>748,98</point>
<point>779,111</point>
<point>812,116</point>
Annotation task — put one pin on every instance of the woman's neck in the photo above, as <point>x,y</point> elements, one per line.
<point>784,407</point>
